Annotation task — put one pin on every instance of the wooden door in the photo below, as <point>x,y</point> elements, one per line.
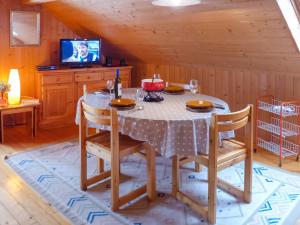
<point>58,104</point>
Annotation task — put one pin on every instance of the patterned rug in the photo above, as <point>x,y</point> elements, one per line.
<point>53,171</point>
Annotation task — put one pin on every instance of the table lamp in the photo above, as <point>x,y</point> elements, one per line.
<point>14,94</point>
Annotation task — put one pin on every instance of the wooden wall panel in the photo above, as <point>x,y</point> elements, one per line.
<point>238,87</point>
<point>27,58</point>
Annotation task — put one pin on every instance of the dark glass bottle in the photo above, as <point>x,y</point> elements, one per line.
<point>118,85</point>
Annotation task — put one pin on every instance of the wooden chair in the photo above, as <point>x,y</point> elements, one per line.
<point>112,146</point>
<point>230,153</point>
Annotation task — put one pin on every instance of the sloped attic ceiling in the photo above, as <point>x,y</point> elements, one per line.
<point>240,33</point>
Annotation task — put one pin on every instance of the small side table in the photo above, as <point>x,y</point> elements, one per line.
<point>20,108</point>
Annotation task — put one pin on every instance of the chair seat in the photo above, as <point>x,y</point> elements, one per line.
<point>229,150</point>
<point>102,142</point>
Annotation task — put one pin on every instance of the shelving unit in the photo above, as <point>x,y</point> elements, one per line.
<point>278,127</point>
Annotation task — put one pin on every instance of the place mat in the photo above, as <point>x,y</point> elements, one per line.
<point>122,108</point>
<point>219,106</point>
<point>173,93</point>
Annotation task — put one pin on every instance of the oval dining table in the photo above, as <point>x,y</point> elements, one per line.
<point>167,126</point>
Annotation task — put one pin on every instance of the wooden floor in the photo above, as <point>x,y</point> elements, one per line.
<point>19,204</point>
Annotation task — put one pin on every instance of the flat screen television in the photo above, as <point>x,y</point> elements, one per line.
<point>80,52</point>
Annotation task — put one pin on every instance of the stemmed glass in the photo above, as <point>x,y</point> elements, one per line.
<point>156,76</point>
<point>194,86</point>
<point>139,96</point>
<point>110,86</point>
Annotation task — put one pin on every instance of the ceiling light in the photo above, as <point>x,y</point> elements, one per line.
<point>175,2</point>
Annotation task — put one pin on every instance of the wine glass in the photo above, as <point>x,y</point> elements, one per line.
<point>139,96</point>
<point>110,86</point>
<point>156,76</point>
<point>194,86</point>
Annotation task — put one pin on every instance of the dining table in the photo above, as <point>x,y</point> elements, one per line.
<point>168,126</point>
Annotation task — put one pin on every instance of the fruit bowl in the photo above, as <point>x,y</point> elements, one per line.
<point>153,84</point>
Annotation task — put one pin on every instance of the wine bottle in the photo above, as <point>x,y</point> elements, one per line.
<point>118,85</point>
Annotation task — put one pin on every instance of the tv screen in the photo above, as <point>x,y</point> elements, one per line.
<point>80,51</point>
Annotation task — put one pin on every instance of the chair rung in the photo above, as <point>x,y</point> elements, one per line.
<point>94,136</point>
<point>231,155</point>
<point>202,210</point>
<point>99,152</point>
<point>225,186</point>
<point>231,162</point>
<point>132,195</point>
<point>130,150</point>
<point>98,178</point>
<point>141,154</point>
<point>185,160</point>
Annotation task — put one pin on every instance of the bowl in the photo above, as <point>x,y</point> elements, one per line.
<point>153,85</point>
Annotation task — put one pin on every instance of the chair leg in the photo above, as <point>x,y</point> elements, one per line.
<point>197,167</point>
<point>175,175</point>
<point>83,169</point>
<point>151,173</point>
<point>212,194</point>
<point>248,179</point>
<point>100,166</point>
<point>101,161</point>
<point>115,183</point>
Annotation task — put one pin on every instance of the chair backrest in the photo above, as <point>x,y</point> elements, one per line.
<point>98,116</point>
<point>230,122</point>
<point>234,120</point>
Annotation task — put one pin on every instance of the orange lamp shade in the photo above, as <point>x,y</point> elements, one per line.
<point>14,95</point>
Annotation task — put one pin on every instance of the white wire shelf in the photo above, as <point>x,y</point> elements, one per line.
<point>288,129</point>
<point>288,148</point>
<point>279,108</point>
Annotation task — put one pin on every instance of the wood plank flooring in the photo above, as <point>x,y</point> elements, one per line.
<point>20,205</point>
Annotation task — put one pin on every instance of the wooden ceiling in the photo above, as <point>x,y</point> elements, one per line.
<point>239,33</point>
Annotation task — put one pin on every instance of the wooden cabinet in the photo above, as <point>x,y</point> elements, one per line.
<point>58,104</point>
<point>59,91</point>
<point>57,78</point>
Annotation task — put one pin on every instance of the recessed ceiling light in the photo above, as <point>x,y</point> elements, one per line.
<point>175,2</point>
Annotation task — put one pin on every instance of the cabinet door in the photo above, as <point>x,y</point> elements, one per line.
<point>58,104</point>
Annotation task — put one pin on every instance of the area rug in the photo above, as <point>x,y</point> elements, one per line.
<point>53,171</point>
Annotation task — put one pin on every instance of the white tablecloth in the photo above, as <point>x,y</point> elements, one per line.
<point>167,126</point>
